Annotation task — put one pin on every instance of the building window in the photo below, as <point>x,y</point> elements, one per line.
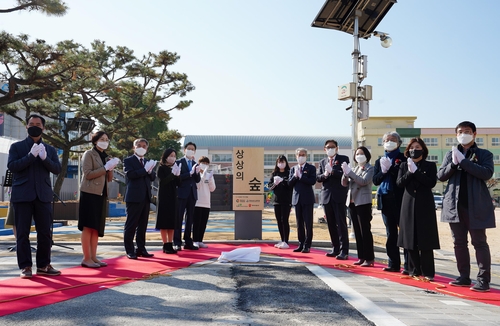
<point>451,142</point>
<point>496,159</point>
<point>405,141</point>
<point>433,158</point>
<point>480,141</point>
<point>222,158</point>
<point>431,141</point>
<point>318,157</point>
<point>380,142</point>
<point>270,159</point>
<point>495,141</point>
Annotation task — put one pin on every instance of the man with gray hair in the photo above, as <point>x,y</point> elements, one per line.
<point>390,196</point>
<point>140,174</point>
<point>302,179</point>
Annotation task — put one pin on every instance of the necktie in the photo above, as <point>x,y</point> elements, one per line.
<point>331,161</point>
<point>189,165</point>
<point>142,162</point>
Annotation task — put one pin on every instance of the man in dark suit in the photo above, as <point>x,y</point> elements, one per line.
<point>333,198</point>
<point>140,174</point>
<point>302,179</point>
<point>187,195</point>
<point>31,162</point>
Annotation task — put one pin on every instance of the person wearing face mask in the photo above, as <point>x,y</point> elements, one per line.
<point>188,195</point>
<point>467,205</point>
<point>97,168</point>
<point>140,173</point>
<point>302,178</point>
<point>389,197</point>
<point>166,209</point>
<point>359,183</point>
<point>418,232</point>
<point>282,199</point>
<point>202,206</point>
<point>31,161</point>
<point>333,198</point>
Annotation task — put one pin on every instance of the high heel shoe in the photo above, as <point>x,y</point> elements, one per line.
<point>94,265</point>
<point>368,263</point>
<point>359,262</point>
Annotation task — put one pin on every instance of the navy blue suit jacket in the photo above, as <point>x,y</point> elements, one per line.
<point>303,188</point>
<point>31,175</point>
<point>331,188</point>
<point>188,180</point>
<point>138,180</point>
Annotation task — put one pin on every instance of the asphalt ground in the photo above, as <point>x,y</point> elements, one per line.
<point>274,291</point>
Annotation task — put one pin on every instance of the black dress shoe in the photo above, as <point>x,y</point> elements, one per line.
<point>391,269</point>
<point>190,247</point>
<point>405,272</point>
<point>342,256</point>
<point>332,254</point>
<point>306,250</point>
<point>298,249</point>
<point>132,256</point>
<point>143,253</point>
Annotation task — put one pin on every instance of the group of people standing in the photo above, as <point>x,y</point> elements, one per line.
<point>405,180</point>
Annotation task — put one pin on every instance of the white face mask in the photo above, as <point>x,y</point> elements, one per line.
<point>281,165</point>
<point>390,146</point>
<point>203,166</point>
<point>140,151</point>
<point>301,159</point>
<point>331,152</point>
<point>361,159</point>
<point>102,144</point>
<point>189,153</point>
<point>465,139</point>
<point>170,160</point>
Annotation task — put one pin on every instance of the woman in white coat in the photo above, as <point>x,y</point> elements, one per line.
<point>359,180</point>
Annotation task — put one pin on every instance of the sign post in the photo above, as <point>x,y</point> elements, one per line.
<point>248,192</point>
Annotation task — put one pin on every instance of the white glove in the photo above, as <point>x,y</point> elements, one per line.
<point>385,164</point>
<point>111,164</point>
<point>277,180</point>
<point>412,167</point>
<point>176,169</point>
<point>208,174</point>
<point>297,172</point>
<point>328,168</point>
<point>35,150</point>
<point>43,152</point>
<point>193,170</point>
<point>346,168</point>
<point>149,165</point>
<point>457,156</point>
<point>198,168</point>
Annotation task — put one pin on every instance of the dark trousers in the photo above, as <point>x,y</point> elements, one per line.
<point>337,226</point>
<point>304,216</point>
<point>361,217</point>
<point>282,213</point>
<point>422,262</point>
<point>136,224</point>
<point>391,210</point>
<point>186,206</point>
<point>200,220</point>
<point>478,239</point>
<point>41,213</point>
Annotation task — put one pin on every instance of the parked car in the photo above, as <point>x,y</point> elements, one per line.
<point>438,200</point>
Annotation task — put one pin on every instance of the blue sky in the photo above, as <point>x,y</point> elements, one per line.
<point>260,68</point>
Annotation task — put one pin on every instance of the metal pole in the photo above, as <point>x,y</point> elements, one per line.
<point>355,65</point>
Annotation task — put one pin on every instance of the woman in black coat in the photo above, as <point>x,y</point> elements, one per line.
<point>282,199</point>
<point>166,209</point>
<point>418,231</point>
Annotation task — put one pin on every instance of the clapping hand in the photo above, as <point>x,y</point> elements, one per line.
<point>35,149</point>
<point>457,155</point>
<point>328,169</point>
<point>111,164</point>
<point>346,168</point>
<point>208,174</point>
<point>149,166</point>
<point>297,172</point>
<point>197,168</point>
<point>176,169</point>
<point>412,167</point>
<point>277,180</point>
<point>385,164</point>
<point>43,152</point>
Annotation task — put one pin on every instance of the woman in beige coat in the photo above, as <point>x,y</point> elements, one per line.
<point>97,170</point>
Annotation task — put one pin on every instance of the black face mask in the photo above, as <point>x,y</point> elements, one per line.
<point>34,131</point>
<point>415,153</point>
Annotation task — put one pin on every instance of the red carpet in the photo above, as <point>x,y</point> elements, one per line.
<point>22,294</point>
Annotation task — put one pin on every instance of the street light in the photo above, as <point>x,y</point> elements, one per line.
<point>359,18</point>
